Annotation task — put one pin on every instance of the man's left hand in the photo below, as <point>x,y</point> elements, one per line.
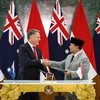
<point>68,72</point>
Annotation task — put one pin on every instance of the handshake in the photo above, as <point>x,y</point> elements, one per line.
<point>46,62</point>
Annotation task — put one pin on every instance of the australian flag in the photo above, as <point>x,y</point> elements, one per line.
<point>96,40</point>
<point>11,39</point>
<point>58,39</point>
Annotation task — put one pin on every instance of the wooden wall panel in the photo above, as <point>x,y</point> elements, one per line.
<point>97,87</point>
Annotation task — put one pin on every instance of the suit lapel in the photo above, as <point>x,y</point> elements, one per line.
<point>76,58</point>
<point>30,50</point>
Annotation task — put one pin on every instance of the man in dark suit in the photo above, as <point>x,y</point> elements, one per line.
<point>30,61</point>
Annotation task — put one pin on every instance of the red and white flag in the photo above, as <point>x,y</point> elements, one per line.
<point>35,22</point>
<point>81,30</point>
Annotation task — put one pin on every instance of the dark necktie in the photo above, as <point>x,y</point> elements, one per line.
<point>72,58</point>
<point>35,53</point>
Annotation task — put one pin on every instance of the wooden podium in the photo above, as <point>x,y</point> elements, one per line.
<point>83,89</point>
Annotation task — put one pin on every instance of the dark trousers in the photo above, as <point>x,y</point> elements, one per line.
<point>29,96</point>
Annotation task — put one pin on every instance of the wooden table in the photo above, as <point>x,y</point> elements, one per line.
<point>83,89</point>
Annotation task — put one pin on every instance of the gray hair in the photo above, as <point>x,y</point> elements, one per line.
<point>31,32</point>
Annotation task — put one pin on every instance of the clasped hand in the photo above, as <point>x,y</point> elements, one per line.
<point>46,62</point>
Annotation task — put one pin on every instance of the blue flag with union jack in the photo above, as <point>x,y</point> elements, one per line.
<point>11,39</point>
<point>96,40</point>
<point>58,38</point>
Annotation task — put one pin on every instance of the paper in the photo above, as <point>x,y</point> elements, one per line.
<point>1,76</point>
<point>42,77</point>
<point>59,69</point>
<point>44,72</point>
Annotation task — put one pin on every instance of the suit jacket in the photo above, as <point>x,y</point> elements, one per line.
<point>73,66</point>
<point>28,65</point>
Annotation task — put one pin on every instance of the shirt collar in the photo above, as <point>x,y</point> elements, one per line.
<point>31,44</point>
<point>77,53</point>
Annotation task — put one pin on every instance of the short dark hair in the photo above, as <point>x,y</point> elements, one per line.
<point>31,32</point>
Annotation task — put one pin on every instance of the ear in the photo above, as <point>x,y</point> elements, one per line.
<point>77,47</point>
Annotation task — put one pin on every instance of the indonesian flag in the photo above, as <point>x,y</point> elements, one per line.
<point>35,22</point>
<point>81,30</point>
